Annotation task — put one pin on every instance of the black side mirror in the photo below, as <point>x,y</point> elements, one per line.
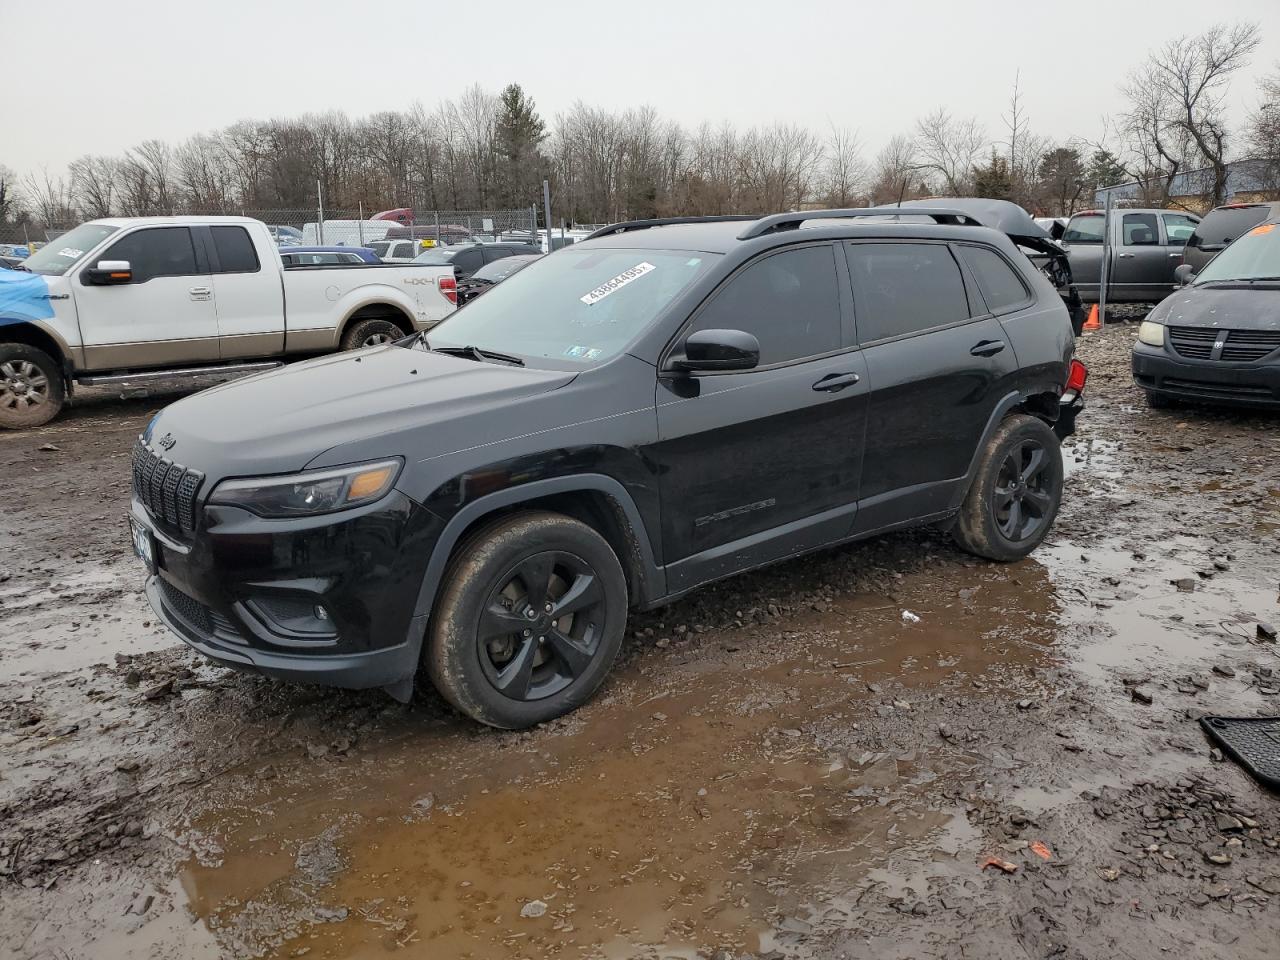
<point>1183,274</point>
<point>718,350</point>
<point>108,272</point>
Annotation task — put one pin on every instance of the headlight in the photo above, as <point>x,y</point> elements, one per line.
<point>1152,334</point>
<point>316,491</point>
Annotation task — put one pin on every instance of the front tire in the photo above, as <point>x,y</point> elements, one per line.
<point>1015,495</point>
<point>370,333</point>
<point>528,621</point>
<point>31,387</point>
<point>1159,401</point>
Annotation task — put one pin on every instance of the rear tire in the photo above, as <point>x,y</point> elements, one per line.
<point>370,333</point>
<point>31,387</point>
<point>528,621</point>
<point>1015,495</point>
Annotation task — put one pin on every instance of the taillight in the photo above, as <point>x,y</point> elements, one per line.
<point>449,287</point>
<point>1076,377</point>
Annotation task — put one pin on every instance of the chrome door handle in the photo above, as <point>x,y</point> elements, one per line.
<point>1126,256</point>
<point>200,293</point>
<point>835,382</point>
<point>1178,255</point>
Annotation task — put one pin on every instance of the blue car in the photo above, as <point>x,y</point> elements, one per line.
<point>326,256</point>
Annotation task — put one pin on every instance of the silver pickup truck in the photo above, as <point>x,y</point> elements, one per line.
<point>129,300</point>
<point>1146,248</point>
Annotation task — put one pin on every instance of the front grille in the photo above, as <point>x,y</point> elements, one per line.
<point>1238,346</point>
<point>166,488</point>
<point>1225,389</point>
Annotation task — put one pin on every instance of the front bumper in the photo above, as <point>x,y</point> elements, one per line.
<point>1158,370</point>
<point>241,590</point>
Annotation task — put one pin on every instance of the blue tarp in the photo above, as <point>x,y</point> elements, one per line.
<point>23,297</point>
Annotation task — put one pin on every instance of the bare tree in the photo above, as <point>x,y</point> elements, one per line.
<point>93,184</point>
<point>1264,129</point>
<point>896,174</point>
<point>50,199</point>
<point>950,148</point>
<point>844,174</point>
<point>1177,101</point>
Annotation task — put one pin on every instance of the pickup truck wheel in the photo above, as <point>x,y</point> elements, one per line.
<point>31,387</point>
<point>370,333</point>
<point>1015,495</point>
<point>528,621</point>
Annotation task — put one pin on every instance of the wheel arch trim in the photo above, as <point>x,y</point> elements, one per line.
<point>1002,409</point>
<point>652,577</point>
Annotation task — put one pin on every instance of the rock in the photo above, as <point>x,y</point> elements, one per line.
<point>1226,823</point>
<point>1269,885</point>
<point>1109,874</point>
<point>317,750</point>
<point>159,691</point>
<point>1223,670</point>
<point>48,448</point>
<point>901,705</point>
<point>1026,704</point>
<point>944,731</point>
<point>1266,633</point>
<point>1215,891</point>
<point>425,802</point>
<point>1218,859</point>
<point>128,766</point>
<point>326,915</point>
<point>1185,585</point>
<point>533,909</point>
<point>1142,695</point>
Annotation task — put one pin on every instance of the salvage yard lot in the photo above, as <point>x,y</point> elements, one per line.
<point>782,765</point>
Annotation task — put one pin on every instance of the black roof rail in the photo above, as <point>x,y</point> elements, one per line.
<point>627,226</point>
<point>791,221</point>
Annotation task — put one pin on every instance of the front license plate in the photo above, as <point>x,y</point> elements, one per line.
<point>144,544</point>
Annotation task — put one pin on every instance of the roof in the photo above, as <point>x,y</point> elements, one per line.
<point>172,221</point>
<point>301,249</point>
<point>1251,175</point>
<point>722,237</point>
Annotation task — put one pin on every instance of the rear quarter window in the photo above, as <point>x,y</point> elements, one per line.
<point>235,250</point>
<point>1000,286</point>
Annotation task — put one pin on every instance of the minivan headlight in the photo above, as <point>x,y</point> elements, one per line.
<point>1151,333</point>
<point>310,492</point>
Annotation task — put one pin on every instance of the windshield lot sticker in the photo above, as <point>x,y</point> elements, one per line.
<point>69,252</point>
<point>575,351</point>
<point>593,353</point>
<point>617,283</point>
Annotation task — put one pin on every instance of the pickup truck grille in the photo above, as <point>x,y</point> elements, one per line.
<point>1239,346</point>
<point>166,488</point>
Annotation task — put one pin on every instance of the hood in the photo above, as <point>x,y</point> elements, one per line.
<point>1227,308</point>
<point>1002,215</point>
<point>286,419</point>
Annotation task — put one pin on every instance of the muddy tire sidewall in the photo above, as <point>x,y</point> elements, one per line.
<point>976,529</point>
<point>452,657</point>
<point>37,414</point>
<point>361,331</point>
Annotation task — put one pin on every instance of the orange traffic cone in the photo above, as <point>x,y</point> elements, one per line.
<point>1093,323</point>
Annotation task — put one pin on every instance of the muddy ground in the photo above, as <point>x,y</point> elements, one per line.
<point>781,766</point>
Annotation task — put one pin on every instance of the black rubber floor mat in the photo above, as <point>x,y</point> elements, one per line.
<point>1253,742</point>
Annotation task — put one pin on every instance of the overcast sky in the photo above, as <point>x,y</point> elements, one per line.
<point>97,77</point>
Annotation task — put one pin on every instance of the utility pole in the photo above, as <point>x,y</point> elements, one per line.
<point>320,212</point>
<point>546,209</point>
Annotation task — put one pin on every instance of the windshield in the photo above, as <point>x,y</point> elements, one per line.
<point>578,307</point>
<point>436,257</point>
<point>380,247</point>
<point>58,256</point>
<point>1254,256</point>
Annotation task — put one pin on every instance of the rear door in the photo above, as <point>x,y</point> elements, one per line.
<point>755,465</point>
<point>165,316</point>
<point>1138,271</point>
<point>247,293</point>
<point>937,361</point>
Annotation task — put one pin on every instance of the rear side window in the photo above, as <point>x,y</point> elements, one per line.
<point>789,301</point>
<point>156,252</point>
<point>1086,228</point>
<point>903,288</point>
<point>235,250</point>
<point>1000,286</point>
<point>1140,230</point>
<point>1179,228</point>
<point>1220,227</point>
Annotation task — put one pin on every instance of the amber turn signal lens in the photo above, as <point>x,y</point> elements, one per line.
<point>369,483</point>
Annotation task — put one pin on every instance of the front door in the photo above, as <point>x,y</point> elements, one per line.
<point>1178,228</point>
<point>758,464</point>
<point>165,316</point>
<point>937,360</point>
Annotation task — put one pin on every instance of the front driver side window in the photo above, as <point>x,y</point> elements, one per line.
<point>789,301</point>
<point>156,252</point>
<point>1140,230</point>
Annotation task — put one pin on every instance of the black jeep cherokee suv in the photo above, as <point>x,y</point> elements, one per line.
<point>660,406</point>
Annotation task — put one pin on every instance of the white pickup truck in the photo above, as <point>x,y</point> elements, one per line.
<point>128,300</point>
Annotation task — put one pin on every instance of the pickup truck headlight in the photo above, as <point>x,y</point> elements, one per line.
<point>311,492</point>
<point>1151,333</point>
